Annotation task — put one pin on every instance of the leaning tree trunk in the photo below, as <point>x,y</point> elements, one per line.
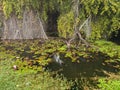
<point>76,27</point>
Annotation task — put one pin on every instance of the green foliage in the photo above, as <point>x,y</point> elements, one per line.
<point>109,84</point>
<point>66,25</point>
<point>64,6</point>
<point>105,17</point>
<point>109,48</point>
<point>101,29</point>
<point>96,31</point>
<point>18,6</point>
<point>105,14</point>
<point>7,8</point>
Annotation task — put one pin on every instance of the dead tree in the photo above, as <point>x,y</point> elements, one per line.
<point>77,28</point>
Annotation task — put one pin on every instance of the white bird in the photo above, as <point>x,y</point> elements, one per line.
<point>57,59</point>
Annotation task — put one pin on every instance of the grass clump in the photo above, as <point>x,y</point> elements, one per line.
<point>109,84</point>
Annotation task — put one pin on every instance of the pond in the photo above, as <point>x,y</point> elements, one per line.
<point>88,69</point>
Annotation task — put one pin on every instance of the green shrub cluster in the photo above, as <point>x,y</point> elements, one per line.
<point>66,25</point>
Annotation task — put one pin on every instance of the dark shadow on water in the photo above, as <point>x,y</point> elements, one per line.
<point>84,68</point>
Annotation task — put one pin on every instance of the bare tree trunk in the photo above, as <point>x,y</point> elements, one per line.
<point>76,13</point>
<point>76,27</point>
